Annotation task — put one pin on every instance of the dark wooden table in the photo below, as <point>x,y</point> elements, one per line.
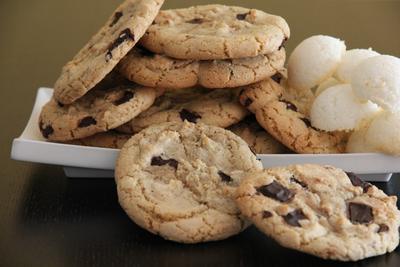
<point>47,219</point>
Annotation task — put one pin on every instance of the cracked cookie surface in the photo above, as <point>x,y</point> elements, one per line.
<point>177,180</point>
<point>321,210</point>
<point>259,140</point>
<point>98,111</point>
<point>105,49</point>
<point>286,122</point>
<point>154,70</point>
<point>219,107</point>
<point>215,32</point>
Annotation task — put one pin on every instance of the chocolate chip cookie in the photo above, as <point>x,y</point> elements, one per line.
<point>177,180</point>
<point>321,210</point>
<point>154,70</point>
<point>109,139</point>
<point>259,140</point>
<point>215,32</point>
<point>284,121</point>
<point>98,111</point>
<point>218,107</point>
<point>105,49</point>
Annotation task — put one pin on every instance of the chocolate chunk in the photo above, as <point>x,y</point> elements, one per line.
<point>159,161</point>
<point>128,95</point>
<point>87,121</point>
<point>241,16</point>
<point>189,115</point>
<point>360,213</point>
<point>123,36</point>
<point>195,21</point>
<point>277,77</point>
<point>289,105</point>
<point>266,214</point>
<point>383,228</point>
<point>61,105</point>
<point>224,177</point>
<point>117,16</point>
<point>248,102</point>
<point>46,131</point>
<point>283,43</point>
<point>357,181</point>
<point>307,122</point>
<point>293,218</point>
<point>276,191</point>
<point>294,180</point>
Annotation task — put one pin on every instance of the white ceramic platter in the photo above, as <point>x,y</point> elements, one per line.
<point>82,161</point>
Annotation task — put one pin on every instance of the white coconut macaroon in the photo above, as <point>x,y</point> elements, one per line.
<point>350,60</point>
<point>338,109</point>
<point>325,85</point>
<point>383,135</point>
<point>357,143</point>
<point>314,60</point>
<point>378,79</point>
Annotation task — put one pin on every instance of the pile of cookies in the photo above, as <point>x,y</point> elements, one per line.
<point>194,183</point>
<point>146,67</point>
<point>174,89</point>
<point>216,65</point>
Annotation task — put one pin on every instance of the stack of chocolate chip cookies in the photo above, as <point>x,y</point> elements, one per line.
<point>174,89</point>
<point>146,67</point>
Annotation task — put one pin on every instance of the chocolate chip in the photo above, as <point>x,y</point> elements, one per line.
<point>276,191</point>
<point>283,43</point>
<point>123,36</point>
<point>87,121</point>
<point>277,77</point>
<point>294,180</point>
<point>307,122</point>
<point>61,105</point>
<point>159,161</point>
<point>117,16</point>
<point>195,21</point>
<point>242,16</point>
<point>357,181</point>
<point>289,105</point>
<point>224,177</point>
<point>266,214</point>
<point>360,213</point>
<point>383,228</point>
<point>293,218</point>
<point>128,95</point>
<point>189,115</point>
<point>247,102</point>
<point>46,131</point>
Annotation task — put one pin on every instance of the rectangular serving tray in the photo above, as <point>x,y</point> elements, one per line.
<point>96,162</point>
